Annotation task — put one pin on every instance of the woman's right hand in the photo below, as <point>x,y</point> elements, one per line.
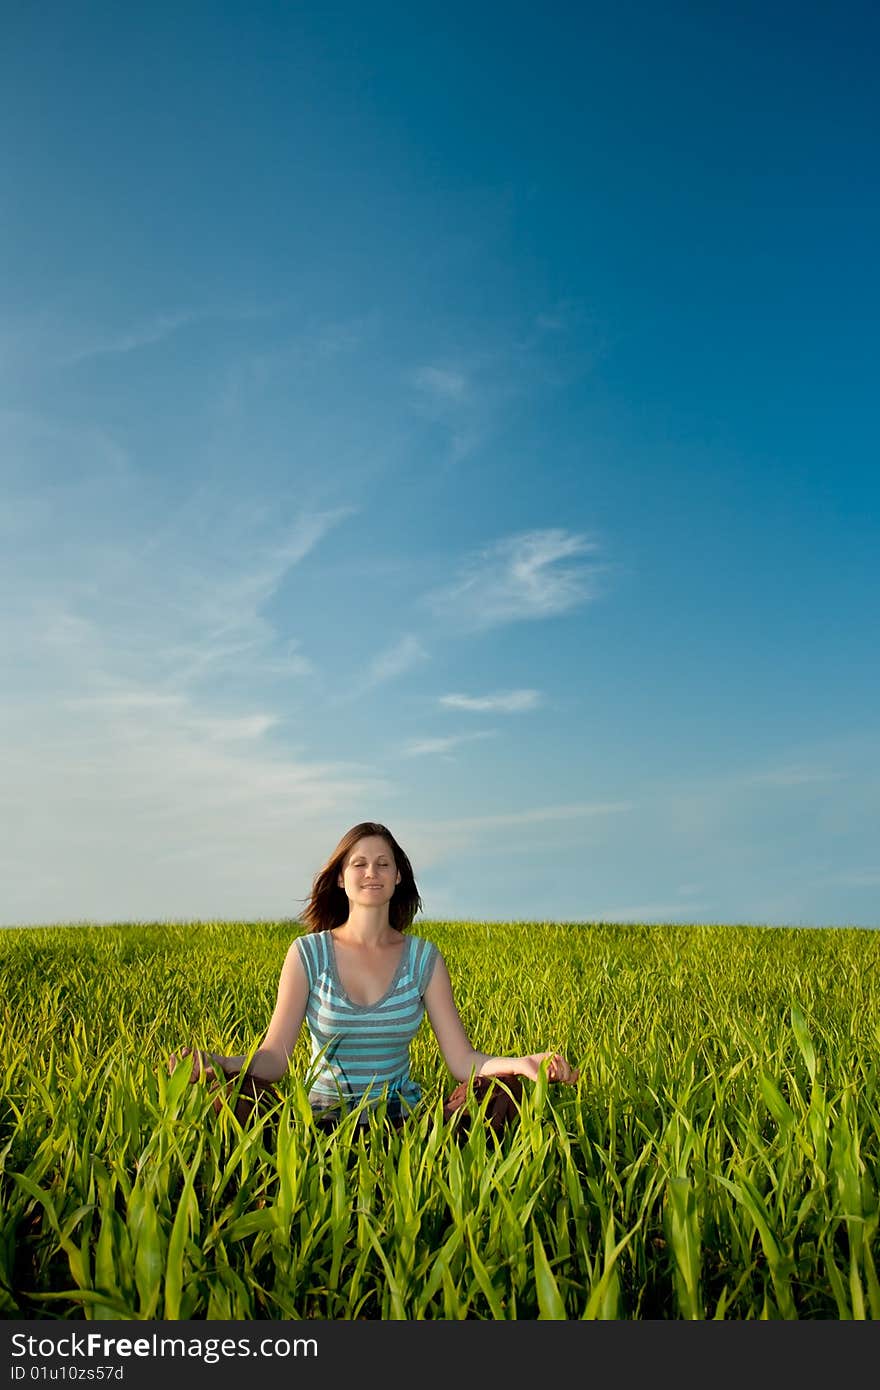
<point>558,1067</point>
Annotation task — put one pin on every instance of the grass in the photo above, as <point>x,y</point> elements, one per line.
<point>718,1158</point>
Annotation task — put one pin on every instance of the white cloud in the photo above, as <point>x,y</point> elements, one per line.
<point>520,577</point>
<point>48,464</point>
<point>248,588</point>
<point>792,776</point>
<point>62,339</point>
<point>503,702</point>
<point>444,383</point>
<point>143,334</point>
<point>422,747</point>
<point>169,612</point>
<point>400,657</point>
<point>464,399</point>
<point>641,913</point>
<point>138,767</point>
<point>143,703</point>
<point>433,841</point>
<point>852,878</point>
<point>550,323</point>
<point>387,665</point>
<point>488,379</point>
<point>136,808</point>
<point>249,372</point>
<point>537,814</point>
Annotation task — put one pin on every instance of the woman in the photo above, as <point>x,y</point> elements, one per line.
<point>362,985</point>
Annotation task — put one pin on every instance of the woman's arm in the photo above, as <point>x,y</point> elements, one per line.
<point>271,1059</point>
<point>459,1054</point>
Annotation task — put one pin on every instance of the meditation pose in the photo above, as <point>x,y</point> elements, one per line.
<point>361,981</point>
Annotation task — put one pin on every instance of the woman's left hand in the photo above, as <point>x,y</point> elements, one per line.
<point>204,1065</point>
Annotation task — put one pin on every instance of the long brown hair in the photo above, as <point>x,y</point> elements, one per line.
<point>327,905</point>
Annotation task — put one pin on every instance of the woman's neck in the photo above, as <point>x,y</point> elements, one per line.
<point>367,927</point>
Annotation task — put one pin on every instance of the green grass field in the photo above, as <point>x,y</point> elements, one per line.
<point>719,1157</point>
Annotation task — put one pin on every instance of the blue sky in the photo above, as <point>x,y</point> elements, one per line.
<point>462,419</point>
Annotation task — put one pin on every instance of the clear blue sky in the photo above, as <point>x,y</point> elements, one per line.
<point>459,417</point>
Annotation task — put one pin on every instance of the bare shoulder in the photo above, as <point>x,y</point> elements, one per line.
<point>294,952</point>
<point>294,968</point>
<point>439,983</point>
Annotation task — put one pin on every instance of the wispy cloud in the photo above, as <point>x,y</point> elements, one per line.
<point>44,462</point>
<point>535,815</point>
<point>538,814</point>
<point>387,665</point>
<point>137,640</point>
<point>443,745</point>
<point>640,913</point>
<point>465,397</point>
<point>139,335</point>
<point>434,840</point>
<point>852,878</point>
<point>180,607</point>
<point>142,799</point>
<point>502,702</point>
<point>313,347</point>
<point>567,341</point>
<point>478,387</point>
<point>792,776</point>
<point>685,908</point>
<point>441,383</point>
<point>397,659</point>
<point>176,709</point>
<point>52,337</point>
<point>550,323</point>
<point>131,715</point>
<point>117,583</point>
<point>225,602</point>
<point>528,576</point>
<point>252,587</point>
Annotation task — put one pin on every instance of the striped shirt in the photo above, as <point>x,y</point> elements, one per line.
<point>357,1049</point>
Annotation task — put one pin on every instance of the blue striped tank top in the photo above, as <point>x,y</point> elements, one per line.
<point>358,1049</point>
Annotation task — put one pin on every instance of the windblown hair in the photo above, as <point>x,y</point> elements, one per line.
<point>327,905</point>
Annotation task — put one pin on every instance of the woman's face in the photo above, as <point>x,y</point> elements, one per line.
<point>369,873</point>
